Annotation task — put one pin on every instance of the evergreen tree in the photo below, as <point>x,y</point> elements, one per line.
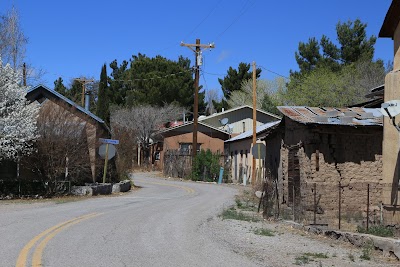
<point>102,109</point>
<point>335,74</point>
<point>234,78</point>
<point>154,81</point>
<point>60,87</point>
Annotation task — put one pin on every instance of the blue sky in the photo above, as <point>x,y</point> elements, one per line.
<point>72,38</point>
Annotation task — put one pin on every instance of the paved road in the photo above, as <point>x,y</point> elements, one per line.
<point>159,225</point>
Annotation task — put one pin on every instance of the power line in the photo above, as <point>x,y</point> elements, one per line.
<point>235,19</point>
<point>274,72</point>
<point>152,78</point>
<point>204,19</point>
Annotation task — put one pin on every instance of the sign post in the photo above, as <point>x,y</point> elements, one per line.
<point>109,144</point>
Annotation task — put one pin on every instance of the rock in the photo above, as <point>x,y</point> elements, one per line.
<point>259,194</point>
<point>81,191</point>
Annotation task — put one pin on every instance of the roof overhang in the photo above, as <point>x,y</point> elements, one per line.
<point>188,128</point>
<point>41,91</point>
<point>391,21</point>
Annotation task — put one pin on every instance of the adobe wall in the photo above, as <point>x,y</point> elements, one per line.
<point>214,144</point>
<point>172,143</point>
<point>329,155</point>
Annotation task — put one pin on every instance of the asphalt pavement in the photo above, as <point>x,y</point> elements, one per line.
<point>157,225</point>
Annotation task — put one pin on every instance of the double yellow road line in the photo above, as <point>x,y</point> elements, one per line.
<point>45,237</point>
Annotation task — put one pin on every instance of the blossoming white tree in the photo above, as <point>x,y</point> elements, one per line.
<point>17,116</point>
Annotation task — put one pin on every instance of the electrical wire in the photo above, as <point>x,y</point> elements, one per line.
<point>274,72</point>
<point>235,19</point>
<point>201,22</point>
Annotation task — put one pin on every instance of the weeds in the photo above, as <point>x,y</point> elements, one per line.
<point>366,252</point>
<point>351,257</point>
<point>307,257</point>
<point>317,255</point>
<point>378,230</point>
<point>232,214</point>
<point>301,260</point>
<point>264,232</point>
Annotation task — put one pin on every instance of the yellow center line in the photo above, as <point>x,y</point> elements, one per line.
<point>23,255</point>
<point>37,255</point>
<point>187,189</point>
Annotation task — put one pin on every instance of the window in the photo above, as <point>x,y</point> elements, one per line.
<point>244,126</point>
<point>187,147</point>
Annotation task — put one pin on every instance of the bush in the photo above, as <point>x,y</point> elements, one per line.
<point>206,166</point>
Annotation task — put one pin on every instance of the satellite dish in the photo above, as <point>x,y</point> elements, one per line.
<point>391,108</point>
<point>224,121</point>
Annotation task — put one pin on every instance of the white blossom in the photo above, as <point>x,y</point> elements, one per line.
<point>17,117</point>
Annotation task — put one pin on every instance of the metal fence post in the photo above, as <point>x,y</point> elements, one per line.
<point>315,203</point>
<point>367,206</point>
<point>294,200</point>
<point>340,204</point>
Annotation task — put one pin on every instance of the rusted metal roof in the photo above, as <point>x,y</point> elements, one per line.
<point>354,116</point>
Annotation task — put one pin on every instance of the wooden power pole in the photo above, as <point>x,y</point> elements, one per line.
<point>253,177</point>
<point>196,48</point>
<point>84,82</point>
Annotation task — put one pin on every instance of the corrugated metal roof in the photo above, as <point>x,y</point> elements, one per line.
<point>355,116</point>
<point>249,133</point>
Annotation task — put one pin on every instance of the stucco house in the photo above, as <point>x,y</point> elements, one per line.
<point>240,154</point>
<point>213,130</point>
<point>391,138</point>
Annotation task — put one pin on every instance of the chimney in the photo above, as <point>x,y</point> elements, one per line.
<point>87,101</point>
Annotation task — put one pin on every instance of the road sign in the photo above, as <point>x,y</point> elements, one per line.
<point>258,151</point>
<point>109,141</point>
<point>103,151</point>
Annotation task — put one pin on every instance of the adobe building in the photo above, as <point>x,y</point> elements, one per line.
<point>321,161</point>
<point>391,138</point>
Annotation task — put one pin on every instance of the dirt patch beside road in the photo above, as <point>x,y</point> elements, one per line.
<point>278,244</point>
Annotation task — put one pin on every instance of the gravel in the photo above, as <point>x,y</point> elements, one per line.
<point>288,246</point>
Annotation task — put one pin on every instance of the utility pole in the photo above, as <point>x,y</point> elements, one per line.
<point>253,180</point>
<point>84,82</point>
<point>24,73</point>
<point>196,48</point>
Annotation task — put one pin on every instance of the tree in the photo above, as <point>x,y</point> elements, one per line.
<point>74,92</point>
<point>17,116</point>
<point>62,144</point>
<point>353,46</point>
<point>234,78</point>
<point>144,120</point>
<point>60,87</point>
<point>12,39</point>
<point>349,65</point>
<point>211,98</point>
<point>154,81</point>
<point>266,90</point>
<point>117,86</point>
<point>102,101</point>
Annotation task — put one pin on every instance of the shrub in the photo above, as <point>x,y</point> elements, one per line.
<point>206,166</point>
